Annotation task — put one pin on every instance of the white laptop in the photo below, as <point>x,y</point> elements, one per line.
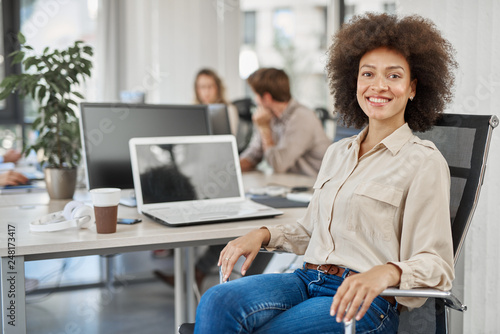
<point>188,180</point>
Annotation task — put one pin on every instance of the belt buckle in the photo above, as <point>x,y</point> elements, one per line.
<point>323,271</point>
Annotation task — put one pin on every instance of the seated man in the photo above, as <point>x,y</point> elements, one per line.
<point>287,134</point>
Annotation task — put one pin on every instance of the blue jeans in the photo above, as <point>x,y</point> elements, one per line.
<point>297,302</point>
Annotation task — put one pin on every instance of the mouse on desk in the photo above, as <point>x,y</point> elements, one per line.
<point>299,197</point>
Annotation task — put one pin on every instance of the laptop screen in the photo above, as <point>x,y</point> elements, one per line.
<point>186,171</point>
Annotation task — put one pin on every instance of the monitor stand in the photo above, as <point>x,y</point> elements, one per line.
<point>128,198</point>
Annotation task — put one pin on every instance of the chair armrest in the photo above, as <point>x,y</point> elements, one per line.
<point>449,298</point>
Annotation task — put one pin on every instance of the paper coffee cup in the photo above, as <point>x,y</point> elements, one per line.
<point>105,201</point>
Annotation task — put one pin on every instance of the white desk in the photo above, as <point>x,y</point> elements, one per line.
<point>18,244</point>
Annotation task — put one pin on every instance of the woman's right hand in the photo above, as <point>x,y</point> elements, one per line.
<point>12,178</point>
<point>248,246</point>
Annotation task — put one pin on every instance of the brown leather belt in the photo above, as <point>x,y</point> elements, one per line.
<point>332,269</point>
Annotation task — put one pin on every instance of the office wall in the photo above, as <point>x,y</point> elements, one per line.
<point>158,46</point>
<point>473,27</point>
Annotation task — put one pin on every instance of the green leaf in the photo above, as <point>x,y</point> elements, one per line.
<point>21,38</point>
<point>54,87</point>
<point>88,50</point>
<point>78,95</point>
<point>69,101</point>
<point>18,58</point>
<point>7,81</point>
<point>41,93</point>
<point>28,62</point>
<point>5,94</point>
<point>36,122</point>
<point>13,53</point>
<point>86,71</point>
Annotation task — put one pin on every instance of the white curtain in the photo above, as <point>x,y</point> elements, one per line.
<point>108,54</point>
<point>473,27</point>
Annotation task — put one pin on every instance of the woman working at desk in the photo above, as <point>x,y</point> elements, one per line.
<point>209,89</point>
<point>379,216</point>
<point>11,178</point>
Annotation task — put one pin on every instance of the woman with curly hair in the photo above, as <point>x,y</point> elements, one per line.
<point>379,216</point>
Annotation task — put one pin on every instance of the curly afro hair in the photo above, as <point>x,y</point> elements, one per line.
<point>429,55</point>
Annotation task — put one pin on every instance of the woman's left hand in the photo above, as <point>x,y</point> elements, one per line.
<point>356,293</point>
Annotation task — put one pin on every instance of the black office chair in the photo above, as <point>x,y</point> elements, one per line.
<point>323,115</point>
<point>245,109</point>
<point>464,142</point>
<point>343,131</point>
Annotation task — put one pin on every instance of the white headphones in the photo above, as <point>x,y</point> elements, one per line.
<point>75,214</point>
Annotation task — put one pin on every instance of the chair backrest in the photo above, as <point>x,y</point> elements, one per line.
<point>342,131</point>
<point>323,115</point>
<point>464,142</point>
<point>245,108</point>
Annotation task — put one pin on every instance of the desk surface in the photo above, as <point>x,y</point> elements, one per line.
<point>19,210</point>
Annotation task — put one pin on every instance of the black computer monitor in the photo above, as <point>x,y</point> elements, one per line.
<point>219,119</point>
<point>106,129</point>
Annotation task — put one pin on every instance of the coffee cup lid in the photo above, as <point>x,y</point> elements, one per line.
<point>105,196</point>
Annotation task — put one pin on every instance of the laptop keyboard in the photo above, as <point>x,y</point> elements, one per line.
<point>212,210</point>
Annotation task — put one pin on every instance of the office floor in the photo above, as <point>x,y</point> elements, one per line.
<point>146,308</point>
<point>144,305</point>
<point>137,303</point>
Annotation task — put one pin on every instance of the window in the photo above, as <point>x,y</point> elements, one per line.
<point>284,27</point>
<point>323,33</point>
<point>8,27</point>
<point>56,24</point>
<point>356,7</point>
<point>2,57</point>
<point>349,11</point>
<point>390,7</point>
<point>53,24</point>
<point>293,37</point>
<point>10,137</point>
<point>249,31</point>
<point>10,131</point>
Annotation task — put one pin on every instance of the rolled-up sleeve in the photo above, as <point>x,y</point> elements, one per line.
<point>254,152</point>
<point>426,254</point>
<point>295,237</point>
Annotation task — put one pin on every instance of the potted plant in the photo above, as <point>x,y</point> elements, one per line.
<point>51,80</point>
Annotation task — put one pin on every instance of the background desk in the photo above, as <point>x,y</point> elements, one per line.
<point>18,210</point>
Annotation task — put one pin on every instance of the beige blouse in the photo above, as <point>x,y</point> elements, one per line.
<point>389,206</point>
